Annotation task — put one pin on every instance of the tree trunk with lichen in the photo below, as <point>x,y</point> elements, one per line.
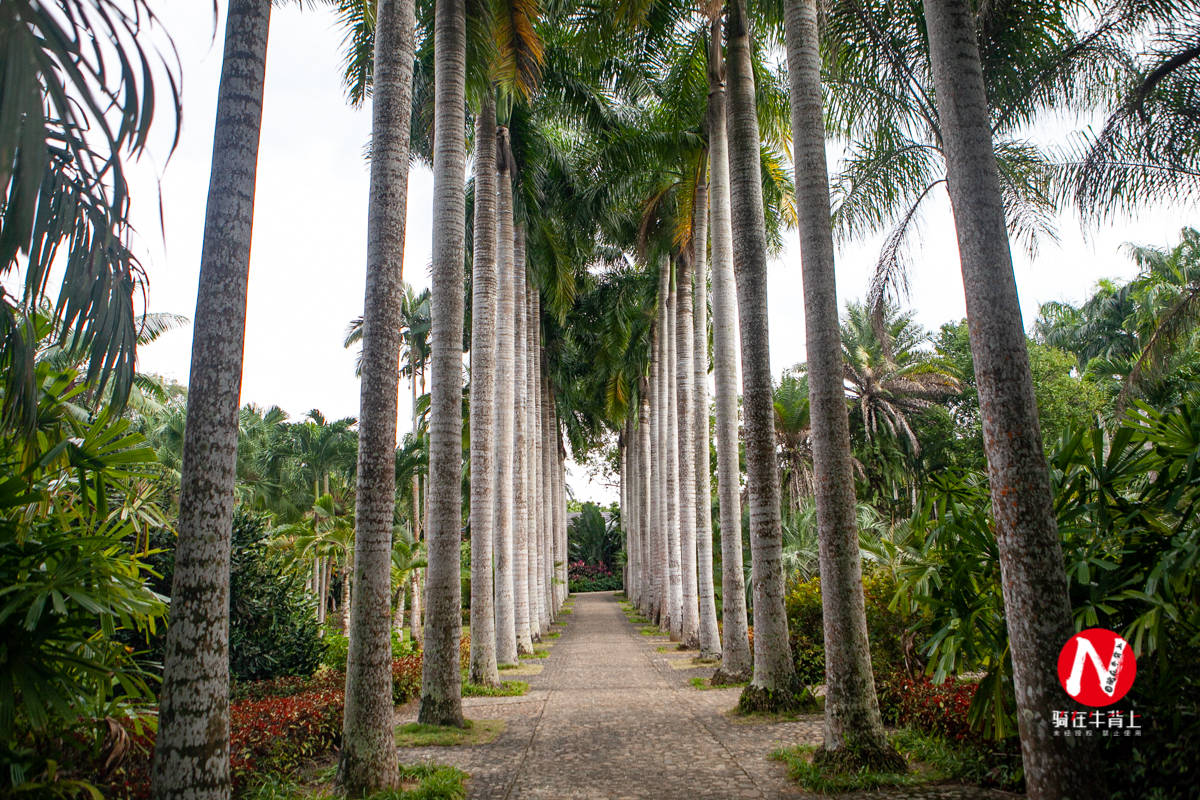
<point>1037,609</point>
<point>686,415</point>
<point>484,283</point>
<point>774,672</point>
<point>736,662</point>
<point>191,757</point>
<point>854,735</point>
<point>441,681</point>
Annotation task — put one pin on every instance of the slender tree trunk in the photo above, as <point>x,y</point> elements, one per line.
<point>736,662</point>
<point>629,512</point>
<point>685,381</point>
<point>416,626</point>
<point>1036,605</point>
<point>521,460</point>
<point>710,637</point>
<point>416,622</point>
<point>559,506</point>
<point>547,507</point>
<point>531,443</point>
<point>645,487</point>
<point>347,572</point>
<point>661,428</point>
<point>671,418</point>
<point>506,630</point>
<point>853,727</point>
<point>441,682</point>
<point>191,758</point>
<point>774,671</point>
<point>483,397</point>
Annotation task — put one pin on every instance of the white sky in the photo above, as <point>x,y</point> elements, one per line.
<point>308,255</point>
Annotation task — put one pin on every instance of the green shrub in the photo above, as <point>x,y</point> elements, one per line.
<point>894,634</point>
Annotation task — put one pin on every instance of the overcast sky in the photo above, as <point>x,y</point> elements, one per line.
<point>308,255</point>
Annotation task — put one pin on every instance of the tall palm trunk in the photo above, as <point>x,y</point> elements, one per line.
<point>558,505</point>
<point>645,487</point>
<point>191,758</point>
<point>685,380</point>
<point>1036,606</point>
<point>521,458</point>
<point>774,671</point>
<point>441,682</point>
<point>662,544</point>
<point>534,463</point>
<point>736,662</point>
<point>416,625</point>
<point>506,630</point>
<point>710,637</point>
<point>851,707</point>
<point>483,397</point>
<point>629,512</point>
<point>547,507</point>
<point>671,419</point>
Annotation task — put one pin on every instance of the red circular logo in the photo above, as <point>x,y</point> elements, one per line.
<point>1096,667</point>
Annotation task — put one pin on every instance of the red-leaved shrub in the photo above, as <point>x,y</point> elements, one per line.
<point>275,727</point>
<point>918,702</point>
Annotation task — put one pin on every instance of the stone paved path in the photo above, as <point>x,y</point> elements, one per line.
<point>610,718</point>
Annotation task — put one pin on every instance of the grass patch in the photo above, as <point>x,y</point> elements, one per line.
<point>564,611</point>
<point>638,619</point>
<point>706,684</point>
<point>505,689</point>
<point>651,630</point>
<point>799,761</point>
<point>952,761</point>
<point>417,782</point>
<point>503,667</point>
<point>538,652</point>
<point>479,731</point>
<point>552,634</point>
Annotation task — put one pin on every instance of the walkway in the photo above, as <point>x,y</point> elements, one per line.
<point>610,717</point>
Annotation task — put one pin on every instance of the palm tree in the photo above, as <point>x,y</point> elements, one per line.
<point>885,376</point>
<point>484,297</point>
<point>854,735</point>
<point>368,760</point>
<point>441,683</point>
<point>774,672</point>
<point>520,408</point>
<point>793,428</point>
<point>685,379</point>
<point>736,662</point>
<point>710,637</point>
<point>191,755</point>
<point>64,197</point>
<point>506,630</point>
<point>1035,590</point>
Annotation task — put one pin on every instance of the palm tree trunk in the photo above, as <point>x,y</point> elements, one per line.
<point>532,439</point>
<point>685,381</point>
<point>441,682</point>
<point>506,630</point>
<point>662,595</point>
<point>710,637</point>
<point>671,418</point>
<point>645,495</point>
<point>483,669</point>
<point>629,511</point>
<point>1036,606</point>
<point>191,758</point>
<point>774,671</point>
<point>416,621</point>
<point>735,643</point>
<point>521,459</point>
<point>851,707</point>
<point>548,496</point>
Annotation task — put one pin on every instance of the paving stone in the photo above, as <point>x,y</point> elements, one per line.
<point>610,718</point>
